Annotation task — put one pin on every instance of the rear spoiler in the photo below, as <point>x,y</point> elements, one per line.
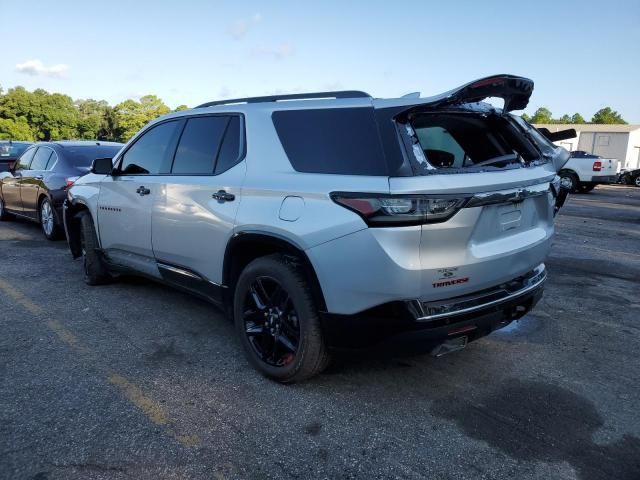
<point>560,135</point>
<point>515,91</point>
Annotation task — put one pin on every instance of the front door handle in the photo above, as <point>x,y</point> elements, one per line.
<point>39,177</point>
<point>142,191</point>
<point>223,196</point>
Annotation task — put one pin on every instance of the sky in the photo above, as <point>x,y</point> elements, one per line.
<point>582,55</point>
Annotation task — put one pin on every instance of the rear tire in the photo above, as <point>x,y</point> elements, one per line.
<point>570,181</point>
<point>4,215</point>
<point>95,270</point>
<point>277,321</point>
<point>49,221</point>
<point>636,182</point>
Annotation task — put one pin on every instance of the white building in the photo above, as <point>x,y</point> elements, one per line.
<point>621,142</point>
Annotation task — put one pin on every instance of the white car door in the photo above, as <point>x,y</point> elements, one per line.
<point>195,212</point>
<point>127,197</point>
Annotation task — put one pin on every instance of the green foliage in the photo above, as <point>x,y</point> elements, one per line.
<point>542,115</point>
<point>17,129</point>
<point>526,117</point>
<point>577,118</point>
<point>180,108</point>
<point>604,115</point>
<point>130,116</point>
<point>40,115</point>
<point>607,115</point>
<point>50,116</point>
<point>95,119</point>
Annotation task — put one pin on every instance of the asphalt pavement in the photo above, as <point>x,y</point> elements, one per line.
<point>137,381</point>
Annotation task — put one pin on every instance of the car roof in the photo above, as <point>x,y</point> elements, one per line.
<point>79,143</point>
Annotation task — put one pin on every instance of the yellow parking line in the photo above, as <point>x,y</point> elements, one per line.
<point>65,335</point>
<point>19,298</point>
<point>151,409</point>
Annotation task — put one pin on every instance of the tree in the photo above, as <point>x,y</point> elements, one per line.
<point>542,115</point>
<point>607,115</point>
<point>180,108</point>
<point>526,117</point>
<point>564,119</point>
<point>51,116</point>
<point>577,118</point>
<point>15,129</point>
<point>130,116</point>
<point>95,119</point>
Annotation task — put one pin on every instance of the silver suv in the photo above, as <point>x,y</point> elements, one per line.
<point>332,219</point>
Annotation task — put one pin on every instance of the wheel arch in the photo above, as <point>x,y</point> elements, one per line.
<point>245,247</point>
<point>71,220</point>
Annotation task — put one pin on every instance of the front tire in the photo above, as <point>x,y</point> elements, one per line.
<point>277,320</point>
<point>637,181</point>
<point>95,270</point>
<point>4,215</point>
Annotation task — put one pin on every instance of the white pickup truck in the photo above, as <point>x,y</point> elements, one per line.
<point>584,171</point>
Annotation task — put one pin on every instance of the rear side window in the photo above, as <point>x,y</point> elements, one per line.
<point>149,153</point>
<point>41,159</point>
<point>199,145</point>
<point>338,140</point>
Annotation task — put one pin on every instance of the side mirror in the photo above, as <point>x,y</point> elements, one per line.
<point>102,166</point>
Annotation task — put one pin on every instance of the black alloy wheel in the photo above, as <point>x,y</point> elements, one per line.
<point>277,319</point>
<point>271,322</point>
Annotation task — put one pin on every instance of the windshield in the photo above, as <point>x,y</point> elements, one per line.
<point>82,156</point>
<point>12,150</point>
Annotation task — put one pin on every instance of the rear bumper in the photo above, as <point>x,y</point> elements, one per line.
<point>604,179</point>
<point>473,316</point>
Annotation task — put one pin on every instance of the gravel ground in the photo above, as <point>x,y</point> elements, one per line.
<point>134,380</point>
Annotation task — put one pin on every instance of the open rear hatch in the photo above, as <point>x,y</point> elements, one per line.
<point>486,181</point>
<point>514,90</point>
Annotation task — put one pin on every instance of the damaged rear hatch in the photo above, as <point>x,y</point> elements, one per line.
<point>479,180</point>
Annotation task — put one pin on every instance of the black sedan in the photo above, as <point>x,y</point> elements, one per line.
<point>9,153</point>
<point>630,177</point>
<point>36,188</point>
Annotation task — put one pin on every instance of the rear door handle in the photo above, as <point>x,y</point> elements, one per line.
<point>223,196</point>
<point>39,177</point>
<point>142,191</point>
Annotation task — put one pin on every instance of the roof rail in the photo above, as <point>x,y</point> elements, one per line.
<point>294,96</point>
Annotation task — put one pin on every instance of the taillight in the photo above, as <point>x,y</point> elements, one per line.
<point>69,181</point>
<point>379,210</point>
<point>597,166</point>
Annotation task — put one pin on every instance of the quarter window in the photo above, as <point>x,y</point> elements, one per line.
<point>230,150</point>
<point>149,153</point>
<point>52,161</point>
<point>25,159</point>
<point>40,159</point>
<point>199,145</point>
<point>338,140</point>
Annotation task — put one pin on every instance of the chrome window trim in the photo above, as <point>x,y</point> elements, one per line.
<point>513,195</point>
